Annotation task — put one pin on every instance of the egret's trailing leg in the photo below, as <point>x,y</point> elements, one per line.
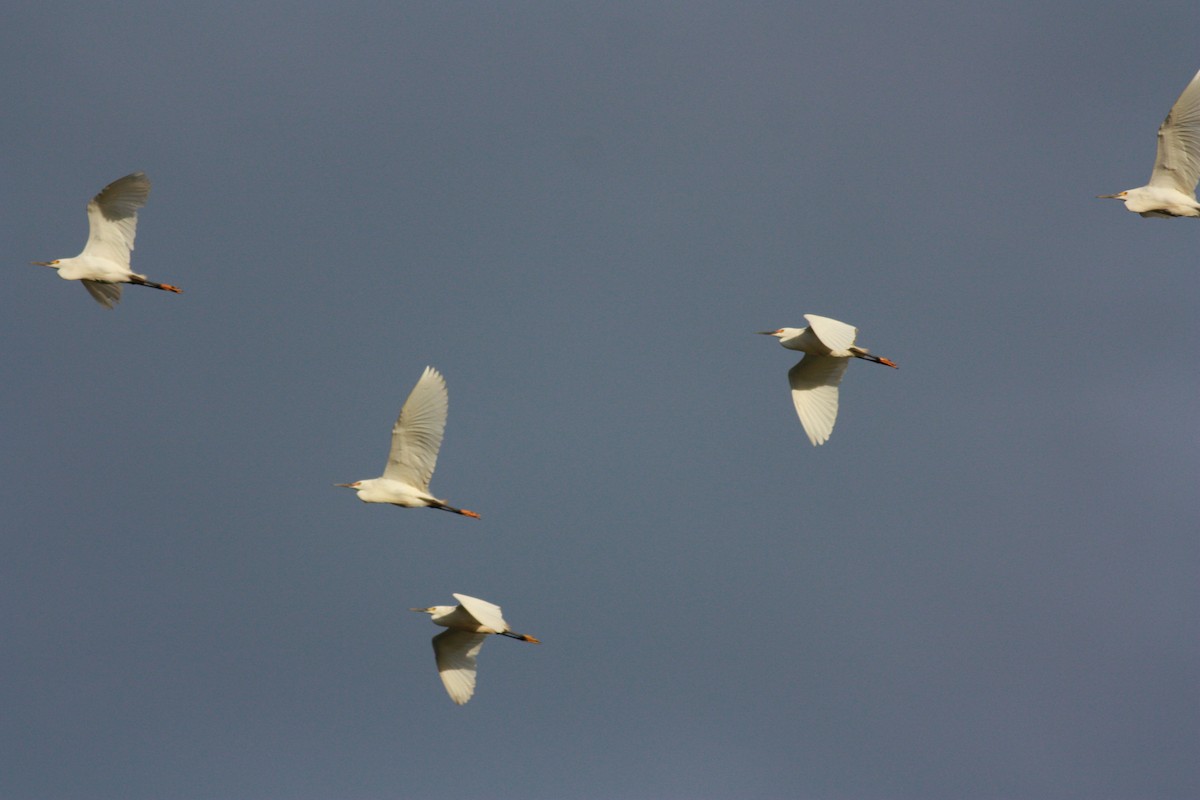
<point>858,352</point>
<point>166,287</point>
<point>463,511</point>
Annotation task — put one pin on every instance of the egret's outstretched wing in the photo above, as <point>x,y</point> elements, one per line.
<point>833,334</point>
<point>815,393</point>
<point>488,614</point>
<point>455,652</point>
<point>417,434</point>
<point>106,294</point>
<point>112,218</point>
<point>1177,165</point>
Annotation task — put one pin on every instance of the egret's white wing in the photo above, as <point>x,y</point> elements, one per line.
<point>455,652</point>
<point>106,294</point>
<point>487,614</point>
<point>815,393</point>
<point>112,218</point>
<point>833,334</point>
<point>417,434</point>
<point>1177,165</point>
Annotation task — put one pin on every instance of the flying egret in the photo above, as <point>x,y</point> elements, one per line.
<point>469,622</point>
<point>112,224</point>
<point>416,439</point>
<point>827,344</point>
<point>1172,188</point>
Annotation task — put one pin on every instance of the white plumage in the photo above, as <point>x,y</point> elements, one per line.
<point>827,344</point>
<point>455,650</point>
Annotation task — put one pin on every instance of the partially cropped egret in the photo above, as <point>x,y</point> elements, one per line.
<point>416,439</point>
<point>827,343</point>
<point>470,622</point>
<point>1172,188</point>
<point>112,225</point>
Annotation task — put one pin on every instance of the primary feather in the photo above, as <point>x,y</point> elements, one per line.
<point>814,381</point>
<point>1177,162</point>
<point>112,217</point>
<point>417,434</point>
<point>456,652</point>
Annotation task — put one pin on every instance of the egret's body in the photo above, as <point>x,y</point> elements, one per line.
<point>112,225</point>
<point>416,440</point>
<point>828,345</point>
<point>455,650</point>
<point>1172,188</point>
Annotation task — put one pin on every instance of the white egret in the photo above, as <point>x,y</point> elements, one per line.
<point>1172,188</point>
<point>470,623</point>
<point>827,344</point>
<point>416,439</point>
<point>112,225</point>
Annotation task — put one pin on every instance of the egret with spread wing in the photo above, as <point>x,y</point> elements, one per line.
<point>1172,188</point>
<point>827,344</point>
<point>112,225</point>
<point>470,622</point>
<point>416,440</point>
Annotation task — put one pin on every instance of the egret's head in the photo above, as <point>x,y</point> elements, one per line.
<point>355,485</point>
<point>783,333</point>
<point>435,611</point>
<point>1117,196</point>
<point>53,263</point>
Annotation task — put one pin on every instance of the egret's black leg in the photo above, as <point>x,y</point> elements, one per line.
<point>454,510</point>
<point>166,287</point>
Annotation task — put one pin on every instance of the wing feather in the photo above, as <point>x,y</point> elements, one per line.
<point>455,652</point>
<point>112,218</point>
<point>814,382</point>
<point>1177,164</point>
<point>487,614</point>
<point>417,434</point>
<point>106,294</point>
<point>833,334</point>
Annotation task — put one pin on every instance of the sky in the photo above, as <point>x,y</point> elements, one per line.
<point>983,586</point>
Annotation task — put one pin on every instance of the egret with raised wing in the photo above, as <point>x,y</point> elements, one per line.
<point>470,622</point>
<point>112,225</point>
<point>827,345</point>
<point>416,440</point>
<point>1172,188</point>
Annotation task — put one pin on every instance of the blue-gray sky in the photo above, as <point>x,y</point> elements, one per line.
<point>984,585</point>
